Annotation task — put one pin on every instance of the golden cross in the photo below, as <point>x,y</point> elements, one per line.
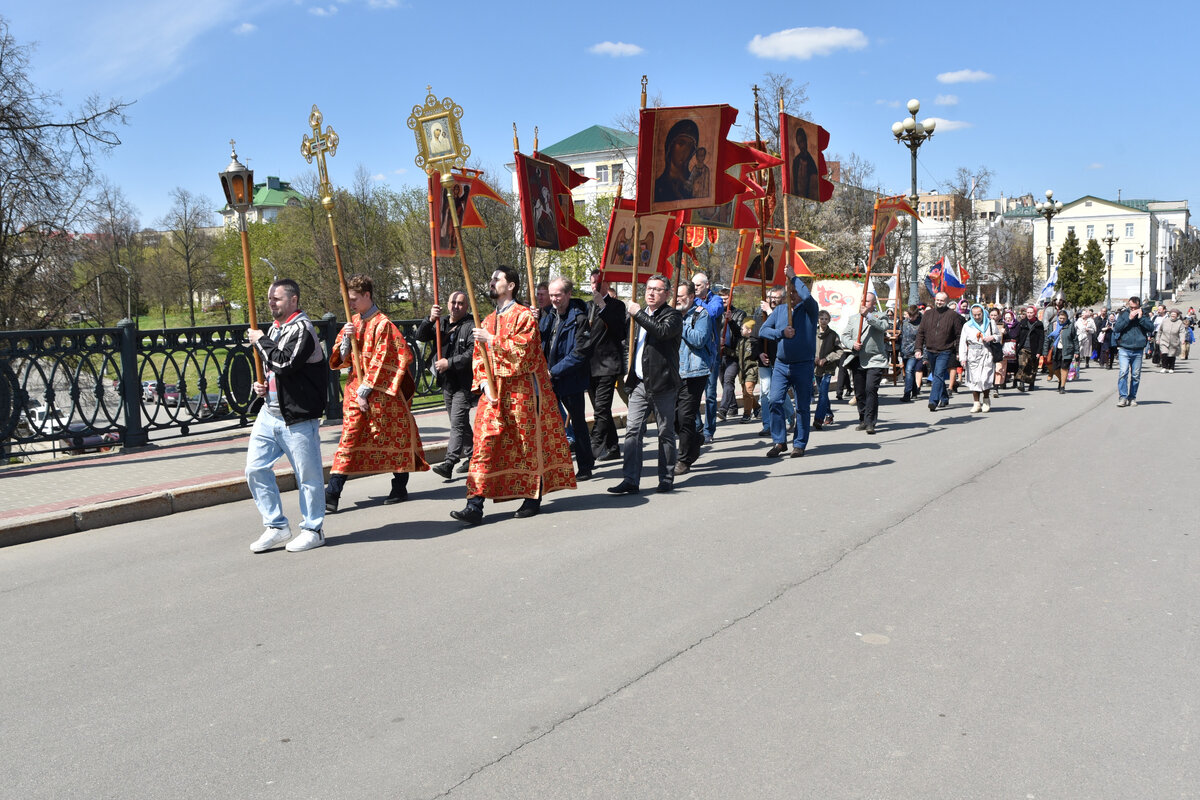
<point>318,146</point>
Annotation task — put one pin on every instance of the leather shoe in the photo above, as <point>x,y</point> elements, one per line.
<point>862,426</point>
<point>664,487</point>
<point>583,475</point>
<point>445,469</point>
<point>776,451</point>
<point>331,504</point>
<point>464,467</point>
<point>797,452</point>
<point>871,429</point>
<point>468,515</point>
<point>396,497</point>
<point>528,509</point>
<point>932,407</point>
<point>816,426</point>
<point>682,468</point>
<point>612,454</point>
<point>624,487</point>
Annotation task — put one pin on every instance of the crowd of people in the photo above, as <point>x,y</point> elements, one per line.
<point>529,373</point>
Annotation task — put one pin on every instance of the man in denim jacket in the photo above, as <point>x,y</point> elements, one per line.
<point>697,352</point>
<point>794,326</point>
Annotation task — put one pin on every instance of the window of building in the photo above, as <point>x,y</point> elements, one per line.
<point>1129,229</point>
<point>1091,231</point>
<point>1128,256</point>
<point>580,170</point>
<point>1087,203</point>
<point>617,172</point>
<point>602,173</point>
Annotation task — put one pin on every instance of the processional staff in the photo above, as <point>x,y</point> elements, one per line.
<point>637,257</point>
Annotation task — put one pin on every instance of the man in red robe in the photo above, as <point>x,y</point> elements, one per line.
<point>379,433</point>
<point>520,444</point>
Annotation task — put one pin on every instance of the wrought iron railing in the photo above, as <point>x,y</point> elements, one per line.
<point>88,389</point>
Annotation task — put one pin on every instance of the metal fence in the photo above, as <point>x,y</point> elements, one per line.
<point>92,389</point>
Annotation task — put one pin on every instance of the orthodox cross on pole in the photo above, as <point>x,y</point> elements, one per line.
<point>317,147</point>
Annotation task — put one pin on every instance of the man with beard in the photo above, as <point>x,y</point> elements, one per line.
<point>1031,336</point>
<point>520,445</point>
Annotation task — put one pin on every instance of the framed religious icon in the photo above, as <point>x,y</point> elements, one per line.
<point>439,134</point>
<point>539,208</point>
<point>655,243</point>
<point>683,156</point>
<point>754,267</point>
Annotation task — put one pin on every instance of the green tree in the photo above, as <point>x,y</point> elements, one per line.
<point>1094,284</point>
<point>1070,270</point>
<point>187,240</point>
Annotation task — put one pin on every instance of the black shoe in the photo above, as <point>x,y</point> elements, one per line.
<point>797,452</point>
<point>746,418</point>
<point>776,451</point>
<point>871,429</point>
<point>932,407</point>
<point>528,509</point>
<point>664,487</point>
<point>583,475</point>
<point>624,487</point>
<point>944,403</point>
<point>445,469</point>
<point>396,497</point>
<point>721,415</point>
<point>906,399</point>
<point>471,516</point>
<point>862,426</point>
<point>464,467</point>
<point>817,425</point>
<point>612,454</point>
<point>682,468</point>
<point>1062,390</point>
<point>764,432</point>
<point>331,504</point>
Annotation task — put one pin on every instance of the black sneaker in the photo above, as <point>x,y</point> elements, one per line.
<point>464,467</point>
<point>471,516</point>
<point>664,487</point>
<point>444,469</point>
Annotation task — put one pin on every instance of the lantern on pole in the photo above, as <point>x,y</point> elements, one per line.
<point>237,180</point>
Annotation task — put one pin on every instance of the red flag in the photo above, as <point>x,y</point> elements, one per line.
<point>803,146</point>
<point>684,158</point>
<point>887,213</point>
<point>543,193</point>
<point>468,187</point>
<point>658,242</point>
<point>570,228</point>
<point>748,267</point>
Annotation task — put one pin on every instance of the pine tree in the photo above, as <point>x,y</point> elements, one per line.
<point>1070,273</point>
<point>1094,286</point>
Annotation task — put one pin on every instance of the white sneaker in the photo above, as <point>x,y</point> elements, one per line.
<point>1163,371</point>
<point>975,408</point>
<point>271,537</point>
<point>307,540</point>
<point>986,407</point>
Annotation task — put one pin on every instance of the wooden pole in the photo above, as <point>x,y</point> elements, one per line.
<point>870,263</point>
<point>637,256</point>
<point>356,357</point>
<point>528,248</point>
<point>783,198</point>
<point>437,326</point>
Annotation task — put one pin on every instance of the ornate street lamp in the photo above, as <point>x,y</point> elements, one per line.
<point>1110,240</point>
<point>1142,251</point>
<point>913,134</point>
<point>238,182</point>
<point>1049,209</point>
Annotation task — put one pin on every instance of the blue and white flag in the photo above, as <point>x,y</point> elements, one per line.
<point>1048,290</point>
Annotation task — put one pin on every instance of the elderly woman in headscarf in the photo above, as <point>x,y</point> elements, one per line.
<point>1008,340</point>
<point>1062,343</point>
<point>975,354</point>
<point>1170,340</point>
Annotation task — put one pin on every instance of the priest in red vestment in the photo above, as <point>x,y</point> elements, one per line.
<point>379,433</point>
<point>520,443</point>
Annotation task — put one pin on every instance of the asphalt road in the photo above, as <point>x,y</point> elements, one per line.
<point>962,606</point>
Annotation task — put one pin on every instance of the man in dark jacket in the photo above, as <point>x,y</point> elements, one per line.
<point>564,335</point>
<point>1131,330</point>
<point>289,421</point>
<point>606,331</point>
<point>937,340</point>
<point>1031,338</point>
<point>653,383</point>
<point>453,368</point>
<point>794,327</point>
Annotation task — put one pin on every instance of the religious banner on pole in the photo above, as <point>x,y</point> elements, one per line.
<point>748,266</point>
<point>570,228</point>
<point>657,242</point>
<point>468,187</point>
<point>684,158</point>
<point>887,217</point>
<point>803,144</point>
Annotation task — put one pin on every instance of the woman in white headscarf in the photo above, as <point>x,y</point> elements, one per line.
<point>975,354</point>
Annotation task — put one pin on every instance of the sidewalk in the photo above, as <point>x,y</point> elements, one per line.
<point>82,493</point>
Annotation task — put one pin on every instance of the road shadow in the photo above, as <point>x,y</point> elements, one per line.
<point>843,468</point>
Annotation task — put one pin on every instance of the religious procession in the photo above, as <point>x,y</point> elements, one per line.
<point>518,383</point>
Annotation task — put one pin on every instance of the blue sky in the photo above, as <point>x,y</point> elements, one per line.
<point>997,74</point>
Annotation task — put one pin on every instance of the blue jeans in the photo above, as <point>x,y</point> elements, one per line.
<point>799,377</point>
<point>823,407</point>
<point>710,401</point>
<point>911,364</point>
<point>1130,376</point>
<point>764,388</point>
<point>271,438</point>
<point>939,367</point>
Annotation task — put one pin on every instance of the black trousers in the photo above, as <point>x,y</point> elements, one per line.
<point>571,406</point>
<point>687,411</point>
<point>604,430</point>
<point>866,393</point>
<point>729,375</point>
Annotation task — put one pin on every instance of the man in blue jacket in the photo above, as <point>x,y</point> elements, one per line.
<point>794,326</point>
<point>712,302</point>
<point>563,331</point>
<point>697,352</point>
<point>1131,331</point>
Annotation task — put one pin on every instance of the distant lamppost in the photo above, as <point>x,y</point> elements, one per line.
<point>274,272</point>
<point>913,134</point>
<point>1110,240</point>
<point>1141,254</point>
<point>1049,210</point>
<point>237,180</point>
<point>128,291</point>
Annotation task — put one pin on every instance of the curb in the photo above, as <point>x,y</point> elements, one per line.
<point>160,504</point>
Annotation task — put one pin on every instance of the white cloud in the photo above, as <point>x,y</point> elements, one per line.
<point>965,76</point>
<point>804,43</point>
<point>379,176</point>
<point>1095,165</point>
<point>888,103</point>
<point>946,100</point>
<point>400,171</point>
<point>383,3</point>
<point>323,11</point>
<point>949,124</point>
<point>615,49</point>
<point>245,28</point>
